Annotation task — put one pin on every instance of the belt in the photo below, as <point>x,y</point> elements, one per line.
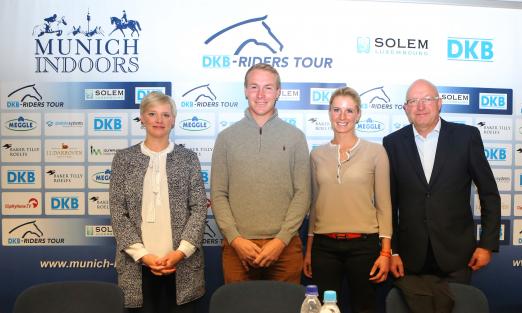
<point>344,236</point>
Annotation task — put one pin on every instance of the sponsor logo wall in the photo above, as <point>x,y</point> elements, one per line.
<point>74,74</point>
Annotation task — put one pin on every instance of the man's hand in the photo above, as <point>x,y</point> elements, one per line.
<point>270,252</point>
<point>246,250</point>
<point>396,266</point>
<point>307,265</point>
<point>480,258</point>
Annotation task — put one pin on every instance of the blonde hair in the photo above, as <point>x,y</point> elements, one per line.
<point>154,98</point>
<point>264,67</point>
<point>346,92</point>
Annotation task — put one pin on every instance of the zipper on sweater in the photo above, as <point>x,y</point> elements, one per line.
<point>260,136</point>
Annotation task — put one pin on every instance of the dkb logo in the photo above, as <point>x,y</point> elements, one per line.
<point>19,177</point>
<point>495,154</point>
<point>64,203</point>
<point>107,124</point>
<point>141,92</point>
<point>493,101</point>
<point>320,96</point>
<point>470,49</point>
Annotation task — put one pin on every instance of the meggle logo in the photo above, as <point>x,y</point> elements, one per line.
<point>103,177</point>
<point>493,101</point>
<point>470,49</point>
<point>141,92</point>
<point>195,124</point>
<point>370,126</point>
<point>107,124</point>
<point>20,124</point>
<point>64,203</point>
<point>19,177</point>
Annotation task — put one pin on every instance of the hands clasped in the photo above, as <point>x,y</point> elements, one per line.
<point>251,255</point>
<point>165,265</point>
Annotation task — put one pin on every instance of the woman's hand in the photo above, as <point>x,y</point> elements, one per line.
<point>380,269</point>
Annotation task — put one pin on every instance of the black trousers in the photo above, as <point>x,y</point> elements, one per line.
<point>431,267</point>
<point>159,295</point>
<point>334,260</point>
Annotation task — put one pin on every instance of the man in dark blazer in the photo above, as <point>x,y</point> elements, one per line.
<point>432,166</point>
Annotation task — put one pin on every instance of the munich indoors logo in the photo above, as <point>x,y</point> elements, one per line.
<point>96,44</point>
<point>230,45</point>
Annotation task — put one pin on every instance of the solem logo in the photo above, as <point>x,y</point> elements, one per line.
<point>141,92</point>
<point>195,124</point>
<point>98,231</point>
<point>21,177</point>
<point>64,203</point>
<point>255,33</point>
<point>455,98</point>
<point>363,44</point>
<point>20,124</point>
<point>493,101</point>
<point>107,124</point>
<point>370,126</point>
<point>495,154</point>
<point>103,177</point>
<point>86,47</point>
<point>470,49</point>
<point>393,46</point>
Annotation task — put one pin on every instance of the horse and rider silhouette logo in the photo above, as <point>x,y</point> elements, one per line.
<point>200,92</point>
<point>55,25</point>
<point>254,31</point>
<point>28,229</point>
<point>375,95</point>
<point>26,92</point>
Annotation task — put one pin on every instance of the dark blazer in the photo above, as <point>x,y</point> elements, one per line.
<point>439,210</point>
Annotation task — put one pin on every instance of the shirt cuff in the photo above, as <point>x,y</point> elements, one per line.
<point>187,248</point>
<point>136,251</point>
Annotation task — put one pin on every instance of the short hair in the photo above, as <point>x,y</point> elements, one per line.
<point>155,98</point>
<point>346,92</point>
<point>264,67</point>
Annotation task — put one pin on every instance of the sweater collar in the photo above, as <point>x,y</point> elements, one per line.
<point>251,119</point>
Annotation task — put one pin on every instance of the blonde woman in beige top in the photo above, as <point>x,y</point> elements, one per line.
<point>350,223</point>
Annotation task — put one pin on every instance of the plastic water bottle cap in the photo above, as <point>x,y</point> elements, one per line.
<point>312,290</point>
<point>330,296</point>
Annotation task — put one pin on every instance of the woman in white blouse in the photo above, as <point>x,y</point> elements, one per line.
<point>158,210</point>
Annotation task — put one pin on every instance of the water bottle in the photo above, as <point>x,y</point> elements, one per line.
<point>330,302</point>
<point>311,303</point>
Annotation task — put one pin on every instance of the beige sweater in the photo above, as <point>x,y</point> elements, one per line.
<point>359,200</point>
